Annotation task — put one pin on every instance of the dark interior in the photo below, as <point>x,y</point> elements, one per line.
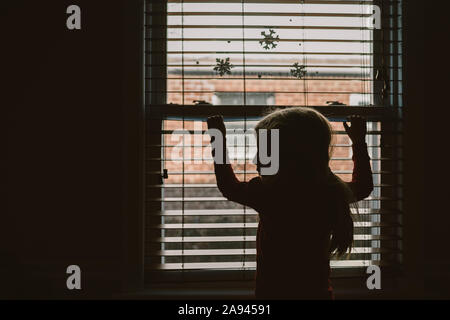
<point>72,149</point>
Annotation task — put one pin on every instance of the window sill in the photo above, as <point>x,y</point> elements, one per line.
<point>347,284</point>
<point>193,294</point>
<point>245,291</point>
<point>246,294</point>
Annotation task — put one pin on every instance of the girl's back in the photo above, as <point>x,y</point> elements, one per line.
<point>303,208</point>
<point>293,242</point>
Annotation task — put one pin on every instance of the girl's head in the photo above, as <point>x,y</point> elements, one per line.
<point>304,142</point>
<point>305,138</point>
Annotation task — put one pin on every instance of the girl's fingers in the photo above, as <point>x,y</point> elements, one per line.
<point>215,122</point>
<point>211,121</point>
<point>346,127</point>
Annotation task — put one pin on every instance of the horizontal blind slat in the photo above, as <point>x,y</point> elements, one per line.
<point>322,2</point>
<point>187,239</point>
<point>252,265</point>
<point>249,212</point>
<point>249,251</point>
<point>252,225</point>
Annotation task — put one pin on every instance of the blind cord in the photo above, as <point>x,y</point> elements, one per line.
<point>245,129</point>
<point>303,52</point>
<point>183,144</point>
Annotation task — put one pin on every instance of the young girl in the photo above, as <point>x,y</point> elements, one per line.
<point>304,213</point>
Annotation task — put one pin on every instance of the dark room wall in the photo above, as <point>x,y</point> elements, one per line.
<point>72,100</point>
<point>426,219</point>
<point>436,116</point>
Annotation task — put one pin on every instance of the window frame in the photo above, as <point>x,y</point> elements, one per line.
<point>160,110</point>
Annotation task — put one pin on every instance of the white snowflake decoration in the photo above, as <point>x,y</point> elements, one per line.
<point>298,71</point>
<point>223,66</point>
<point>269,40</point>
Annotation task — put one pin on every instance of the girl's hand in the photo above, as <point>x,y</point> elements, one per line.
<point>216,122</point>
<point>357,131</point>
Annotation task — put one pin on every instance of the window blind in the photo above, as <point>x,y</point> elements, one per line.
<point>239,59</point>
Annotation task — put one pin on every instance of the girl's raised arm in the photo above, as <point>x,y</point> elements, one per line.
<point>362,181</point>
<point>245,193</point>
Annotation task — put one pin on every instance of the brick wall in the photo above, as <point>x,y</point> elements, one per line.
<point>285,92</point>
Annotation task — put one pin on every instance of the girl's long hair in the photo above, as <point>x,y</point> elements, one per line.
<point>305,138</point>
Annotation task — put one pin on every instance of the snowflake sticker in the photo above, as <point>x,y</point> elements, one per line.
<point>298,71</point>
<point>223,66</point>
<point>269,40</point>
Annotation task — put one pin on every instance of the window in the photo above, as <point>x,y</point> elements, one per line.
<point>239,58</point>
